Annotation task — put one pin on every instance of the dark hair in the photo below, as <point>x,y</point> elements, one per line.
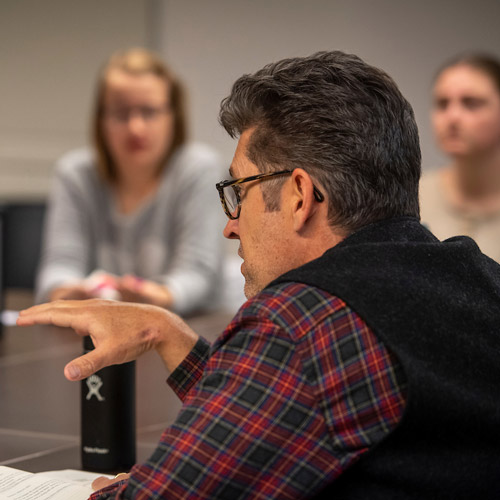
<point>137,61</point>
<point>487,63</point>
<point>345,122</point>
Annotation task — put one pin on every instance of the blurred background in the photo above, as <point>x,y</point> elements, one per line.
<point>50,52</point>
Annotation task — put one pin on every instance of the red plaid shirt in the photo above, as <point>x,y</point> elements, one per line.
<point>293,392</point>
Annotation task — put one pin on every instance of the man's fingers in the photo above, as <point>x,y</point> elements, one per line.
<point>60,313</point>
<point>117,329</point>
<point>102,482</point>
<point>84,366</point>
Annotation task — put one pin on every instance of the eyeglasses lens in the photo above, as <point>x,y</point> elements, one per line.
<point>231,199</point>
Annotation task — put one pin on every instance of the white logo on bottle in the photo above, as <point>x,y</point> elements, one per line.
<point>94,383</point>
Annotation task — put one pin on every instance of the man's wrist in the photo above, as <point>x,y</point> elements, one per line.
<point>175,340</point>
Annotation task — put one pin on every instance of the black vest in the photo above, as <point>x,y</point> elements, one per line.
<point>436,305</point>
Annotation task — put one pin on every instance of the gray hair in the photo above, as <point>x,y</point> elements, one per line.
<point>343,121</point>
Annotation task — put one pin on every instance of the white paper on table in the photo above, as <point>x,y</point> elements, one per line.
<point>67,484</point>
<point>78,476</point>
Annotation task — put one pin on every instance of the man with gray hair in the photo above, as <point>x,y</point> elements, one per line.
<point>365,362</point>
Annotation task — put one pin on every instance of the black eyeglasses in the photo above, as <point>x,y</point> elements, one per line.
<point>229,192</point>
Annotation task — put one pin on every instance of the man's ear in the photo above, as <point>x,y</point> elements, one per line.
<point>304,204</point>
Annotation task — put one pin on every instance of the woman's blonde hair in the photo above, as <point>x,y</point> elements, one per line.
<point>136,61</point>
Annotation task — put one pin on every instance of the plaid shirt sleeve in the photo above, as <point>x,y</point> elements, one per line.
<point>295,390</point>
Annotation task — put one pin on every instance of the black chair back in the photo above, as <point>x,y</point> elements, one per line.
<point>21,225</point>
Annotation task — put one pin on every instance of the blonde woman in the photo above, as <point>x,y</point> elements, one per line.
<point>135,217</point>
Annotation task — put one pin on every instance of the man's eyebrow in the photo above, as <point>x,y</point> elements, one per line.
<point>231,171</point>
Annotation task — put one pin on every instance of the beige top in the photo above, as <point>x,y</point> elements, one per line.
<point>445,220</point>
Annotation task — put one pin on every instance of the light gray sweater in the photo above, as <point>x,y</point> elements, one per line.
<point>174,238</point>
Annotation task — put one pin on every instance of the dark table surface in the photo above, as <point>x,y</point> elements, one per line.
<point>40,409</point>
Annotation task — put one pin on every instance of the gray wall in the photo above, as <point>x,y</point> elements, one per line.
<point>50,51</point>
<point>210,43</point>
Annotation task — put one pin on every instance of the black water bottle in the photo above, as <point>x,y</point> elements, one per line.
<point>108,441</point>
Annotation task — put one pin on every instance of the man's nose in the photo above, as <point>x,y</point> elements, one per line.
<point>232,230</point>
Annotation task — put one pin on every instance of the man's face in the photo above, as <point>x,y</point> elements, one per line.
<point>466,114</point>
<point>264,236</point>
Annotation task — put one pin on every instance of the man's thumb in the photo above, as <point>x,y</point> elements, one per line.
<point>82,367</point>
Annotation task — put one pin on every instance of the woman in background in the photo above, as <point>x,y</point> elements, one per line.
<point>139,212</point>
<point>464,197</point>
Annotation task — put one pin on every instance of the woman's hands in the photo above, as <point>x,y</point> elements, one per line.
<point>134,289</point>
<point>128,288</point>
<point>76,291</point>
